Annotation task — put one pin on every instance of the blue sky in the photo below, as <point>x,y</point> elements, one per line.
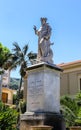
<point>17,18</point>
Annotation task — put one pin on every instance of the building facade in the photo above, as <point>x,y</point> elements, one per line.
<point>6,93</point>
<point>70,81</point>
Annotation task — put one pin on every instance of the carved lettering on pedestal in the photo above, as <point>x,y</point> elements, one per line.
<point>35,93</point>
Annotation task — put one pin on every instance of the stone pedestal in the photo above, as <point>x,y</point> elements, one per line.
<point>43,97</point>
<point>43,92</point>
<point>35,119</point>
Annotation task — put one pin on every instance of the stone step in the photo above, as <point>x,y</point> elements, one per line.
<point>41,127</point>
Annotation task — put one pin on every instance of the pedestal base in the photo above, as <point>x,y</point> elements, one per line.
<point>41,127</point>
<point>50,119</point>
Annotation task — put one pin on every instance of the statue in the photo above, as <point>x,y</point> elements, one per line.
<point>44,51</point>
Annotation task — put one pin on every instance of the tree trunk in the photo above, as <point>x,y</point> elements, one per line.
<point>20,86</point>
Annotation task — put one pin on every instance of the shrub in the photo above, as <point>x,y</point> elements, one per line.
<point>8,117</point>
<point>23,106</point>
<point>71,111</point>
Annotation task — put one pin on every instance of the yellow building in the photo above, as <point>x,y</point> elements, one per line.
<point>7,95</point>
<point>70,78</point>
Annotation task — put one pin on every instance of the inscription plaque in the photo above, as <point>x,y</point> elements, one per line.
<point>35,92</point>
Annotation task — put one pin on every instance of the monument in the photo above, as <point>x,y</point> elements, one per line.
<point>43,86</point>
<point>44,51</point>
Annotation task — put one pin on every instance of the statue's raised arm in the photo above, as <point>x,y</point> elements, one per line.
<point>44,51</point>
<point>35,29</point>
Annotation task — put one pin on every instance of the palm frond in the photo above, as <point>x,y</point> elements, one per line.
<point>14,57</point>
<point>13,67</point>
<point>16,47</point>
<point>25,49</point>
<point>67,111</point>
<point>32,58</point>
<point>32,55</point>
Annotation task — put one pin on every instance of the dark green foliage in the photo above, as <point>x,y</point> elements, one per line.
<point>70,103</point>
<point>23,106</point>
<point>16,96</point>
<point>4,52</point>
<point>1,72</point>
<point>13,86</point>
<point>14,99</point>
<point>78,118</point>
<point>22,58</point>
<point>78,98</point>
<point>71,110</point>
<point>32,57</point>
<point>8,117</point>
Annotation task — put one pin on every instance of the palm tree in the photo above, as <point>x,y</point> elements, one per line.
<point>22,58</point>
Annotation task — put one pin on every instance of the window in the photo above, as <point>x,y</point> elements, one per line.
<point>80,83</point>
<point>5,97</point>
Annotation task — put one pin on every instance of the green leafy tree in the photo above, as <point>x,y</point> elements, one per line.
<point>4,55</point>
<point>4,52</point>
<point>8,117</point>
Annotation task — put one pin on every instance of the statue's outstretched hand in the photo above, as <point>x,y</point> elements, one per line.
<point>34,27</point>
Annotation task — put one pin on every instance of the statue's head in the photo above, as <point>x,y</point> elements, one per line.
<point>43,20</point>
